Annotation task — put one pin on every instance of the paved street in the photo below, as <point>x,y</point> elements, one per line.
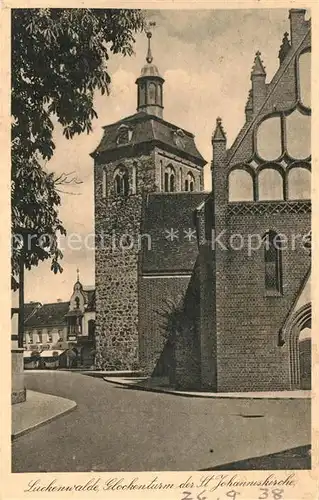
<point>119,429</point>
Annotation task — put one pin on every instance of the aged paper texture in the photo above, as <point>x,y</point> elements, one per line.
<point>157,256</point>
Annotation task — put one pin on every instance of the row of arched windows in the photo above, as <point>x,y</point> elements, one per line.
<point>124,185</point>
<point>170,183</point>
<point>284,133</point>
<point>269,183</point>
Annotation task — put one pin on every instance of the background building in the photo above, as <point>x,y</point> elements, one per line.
<point>63,325</point>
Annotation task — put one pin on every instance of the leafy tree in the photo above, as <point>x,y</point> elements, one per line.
<point>59,59</point>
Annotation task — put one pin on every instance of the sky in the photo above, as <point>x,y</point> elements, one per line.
<point>205,57</point>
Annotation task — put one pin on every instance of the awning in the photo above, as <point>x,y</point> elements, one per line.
<point>50,354</point>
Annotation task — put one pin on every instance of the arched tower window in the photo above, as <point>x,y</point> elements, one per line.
<point>121,182</point>
<point>134,178</point>
<point>77,302</point>
<point>142,94</point>
<point>159,94</point>
<point>273,263</point>
<point>189,182</point>
<point>169,179</point>
<point>152,93</point>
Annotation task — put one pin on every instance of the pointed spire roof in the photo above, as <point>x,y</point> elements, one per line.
<point>219,134</point>
<point>258,68</point>
<point>284,48</point>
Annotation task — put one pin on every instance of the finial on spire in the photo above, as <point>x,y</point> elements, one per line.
<point>149,57</point>
<point>78,274</point>
<point>219,134</point>
<point>258,68</point>
<point>284,48</point>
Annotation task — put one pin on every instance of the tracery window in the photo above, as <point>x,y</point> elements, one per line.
<point>304,75</point>
<point>121,182</point>
<point>299,183</point>
<point>189,182</point>
<point>240,185</point>
<point>169,179</point>
<point>270,185</point>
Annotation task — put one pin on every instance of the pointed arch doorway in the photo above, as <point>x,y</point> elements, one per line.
<point>299,344</point>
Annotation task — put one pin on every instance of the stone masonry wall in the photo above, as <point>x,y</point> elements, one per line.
<point>117,261</point>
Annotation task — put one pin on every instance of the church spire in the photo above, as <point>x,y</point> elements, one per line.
<point>219,134</point>
<point>150,85</point>
<point>258,68</point>
<point>258,80</point>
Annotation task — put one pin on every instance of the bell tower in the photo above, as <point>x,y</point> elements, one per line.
<point>150,85</point>
<point>139,156</point>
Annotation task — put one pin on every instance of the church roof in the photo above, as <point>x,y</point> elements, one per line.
<point>150,69</point>
<point>148,128</point>
<point>219,134</point>
<point>170,222</point>
<point>48,315</point>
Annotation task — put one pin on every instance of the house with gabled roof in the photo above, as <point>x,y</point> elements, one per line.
<point>63,325</point>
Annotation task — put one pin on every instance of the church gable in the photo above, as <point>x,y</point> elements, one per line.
<point>285,103</point>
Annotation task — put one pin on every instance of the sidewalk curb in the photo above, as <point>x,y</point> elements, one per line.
<point>203,395</point>
<point>43,422</point>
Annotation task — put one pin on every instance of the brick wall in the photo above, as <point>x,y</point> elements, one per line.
<point>158,296</point>
<point>249,357</point>
<point>187,340</point>
<point>248,321</point>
